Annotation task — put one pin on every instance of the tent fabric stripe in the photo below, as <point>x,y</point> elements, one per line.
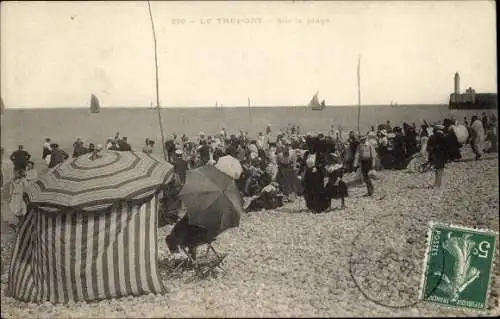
<point>74,257</point>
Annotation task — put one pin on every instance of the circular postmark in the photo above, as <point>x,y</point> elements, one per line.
<point>387,257</point>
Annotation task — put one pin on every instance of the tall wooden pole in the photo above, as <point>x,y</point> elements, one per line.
<point>359,91</point>
<point>157,83</point>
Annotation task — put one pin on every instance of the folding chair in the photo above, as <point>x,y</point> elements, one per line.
<point>206,265</point>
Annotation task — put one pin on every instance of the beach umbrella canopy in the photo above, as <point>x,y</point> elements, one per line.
<point>230,166</point>
<point>212,200</point>
<point>92,183</point>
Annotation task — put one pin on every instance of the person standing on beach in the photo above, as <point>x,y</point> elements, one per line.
<point>365,159</point>
<point>286,176</point>
<point>484,120</point>
<point>46,151</point>
<point>58,155</point>
<point>353,144</point>
<point>20,160</point>
<point>170,148</point>
<point>204,152</point>
<point>477,137</point>
<point>180,166</point>
<point>438,153</point>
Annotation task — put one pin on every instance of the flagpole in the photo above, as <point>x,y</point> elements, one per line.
<point>359,91</point>
<point>157,83</point>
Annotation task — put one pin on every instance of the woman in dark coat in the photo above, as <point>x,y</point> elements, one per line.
<point>317,199</point>
<point>451,141</point>
<point>438,153</point>
<point>399,149</point>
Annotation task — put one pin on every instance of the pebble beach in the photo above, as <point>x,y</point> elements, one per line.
<point>289,262</point>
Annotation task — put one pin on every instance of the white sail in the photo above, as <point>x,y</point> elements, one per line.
<point>315,104</point>
<point>94,104</point>
<point>314,100</point>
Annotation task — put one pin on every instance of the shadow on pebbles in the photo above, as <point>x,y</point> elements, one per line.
<point>290,262</point>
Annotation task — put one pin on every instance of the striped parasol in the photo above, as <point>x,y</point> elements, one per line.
<point>95,183</point>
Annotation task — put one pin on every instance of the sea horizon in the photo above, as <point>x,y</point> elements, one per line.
<point>223,106</point>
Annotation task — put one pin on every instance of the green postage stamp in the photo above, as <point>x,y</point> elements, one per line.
<point>458,266</point>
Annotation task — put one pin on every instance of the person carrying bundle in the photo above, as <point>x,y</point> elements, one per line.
<point>336,187</point>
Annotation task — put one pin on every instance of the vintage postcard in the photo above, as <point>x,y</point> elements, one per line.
<point>249,158</point>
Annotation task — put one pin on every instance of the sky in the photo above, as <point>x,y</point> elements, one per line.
<point>56,54</point>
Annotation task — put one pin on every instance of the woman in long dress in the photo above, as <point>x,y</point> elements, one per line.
<point>17,206</point>
<point>286,176</point>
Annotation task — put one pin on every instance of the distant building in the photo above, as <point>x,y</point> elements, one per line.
<point>470,99</point>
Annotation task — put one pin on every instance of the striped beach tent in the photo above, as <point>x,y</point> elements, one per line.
<point>78,247</point>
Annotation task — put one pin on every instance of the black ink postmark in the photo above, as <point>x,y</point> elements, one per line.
<point>386,262</point>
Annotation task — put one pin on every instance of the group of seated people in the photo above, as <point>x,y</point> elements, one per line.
<point>306,177</point>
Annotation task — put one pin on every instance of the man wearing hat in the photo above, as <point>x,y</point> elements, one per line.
<point>365,159</point>
<point>170,148</point>
<point>180,166</point>
<point>20,160</point>
<point>58,155</point>
<point>438,153</point>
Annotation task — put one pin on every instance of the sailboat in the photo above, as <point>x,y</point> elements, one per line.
<point>94,104</point>
<point>315,105</point>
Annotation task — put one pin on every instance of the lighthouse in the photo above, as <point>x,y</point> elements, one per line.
<point>457,83</point>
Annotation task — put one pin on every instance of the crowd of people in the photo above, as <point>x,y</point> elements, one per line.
<point>279,167</point>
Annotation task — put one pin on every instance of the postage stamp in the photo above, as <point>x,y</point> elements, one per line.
<point>458,266</point>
